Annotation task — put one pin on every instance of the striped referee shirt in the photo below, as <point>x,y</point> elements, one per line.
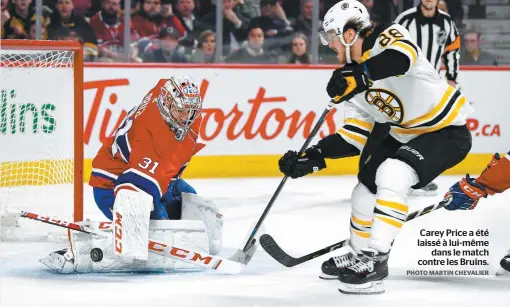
<point>437,37</point>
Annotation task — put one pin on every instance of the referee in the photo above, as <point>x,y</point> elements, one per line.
<point>436,34</point>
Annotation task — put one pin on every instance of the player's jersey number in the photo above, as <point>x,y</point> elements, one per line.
<point>389,36</point>
<point>146,164</point>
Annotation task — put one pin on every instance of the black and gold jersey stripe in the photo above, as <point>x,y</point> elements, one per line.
<point>356,132</point>
<point>406,47</point>
<point>397,43</point>
<point>442,115</point>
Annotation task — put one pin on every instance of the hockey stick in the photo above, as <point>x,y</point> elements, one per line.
<point>177,253</point>
<point>241,255</point>
<point>274,250</point>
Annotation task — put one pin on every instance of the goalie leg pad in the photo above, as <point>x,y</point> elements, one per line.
<point>94,253</point>
<point>131,215</point>
<point>195,207</point>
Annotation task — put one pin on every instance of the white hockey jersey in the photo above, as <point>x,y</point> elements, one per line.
<point>418,102</point>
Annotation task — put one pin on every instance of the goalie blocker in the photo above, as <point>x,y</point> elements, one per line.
<point>200,229</point>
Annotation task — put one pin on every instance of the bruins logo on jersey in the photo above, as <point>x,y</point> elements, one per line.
<point>387,103</point>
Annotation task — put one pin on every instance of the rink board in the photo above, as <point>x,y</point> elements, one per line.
<point>254,114</point>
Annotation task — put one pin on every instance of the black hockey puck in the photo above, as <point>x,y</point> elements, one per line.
<point>96,254</point>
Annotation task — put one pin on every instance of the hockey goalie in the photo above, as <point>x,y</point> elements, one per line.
<point>137,186</point>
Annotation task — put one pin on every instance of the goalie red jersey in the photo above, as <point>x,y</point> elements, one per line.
<point>154,143</point>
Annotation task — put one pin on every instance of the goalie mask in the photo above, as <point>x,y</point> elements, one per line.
<point>180,104</point>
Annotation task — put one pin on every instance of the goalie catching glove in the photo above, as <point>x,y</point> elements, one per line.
<point>293,166</point>
<point>348,81</point>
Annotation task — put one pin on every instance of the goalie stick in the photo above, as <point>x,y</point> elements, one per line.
<point>274,250</point>
<point>183,254</point>
<point>241,254</point>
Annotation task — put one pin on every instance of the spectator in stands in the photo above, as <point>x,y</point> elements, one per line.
<point>109,28</point>
<point>32,34</point>
<point>273,20</point>
<point>234,25</point>
<point>277,28</point>
<point>152,18</point>
<point>303,23</point>
<point>206,49</point>
<point>292,8</point>
<point>471,53</point>
<point>168,51</point>
<point>135,6</point>
<point>17,26</point>
<point>184,10</point>
<point>253,52</point>
<point>4,15</point>
<point>72,35</point>
<point>81,6</point>
<point>442,6</point>
<point>203,7</point>
<point>299,53</point>
<point>64,20</point>
<point>169,19</point>
<point>250,8</point>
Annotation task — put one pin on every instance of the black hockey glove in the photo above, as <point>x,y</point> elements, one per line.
<point>348,81</point>
<point>310,162</point>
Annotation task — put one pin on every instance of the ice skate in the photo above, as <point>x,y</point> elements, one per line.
<point>330,268</point>
<point>504,265</point>
<point>366,275</point>
<point>428,190</point>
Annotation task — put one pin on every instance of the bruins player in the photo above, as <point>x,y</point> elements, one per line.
<point>466,193</point>
<point>385,79</point>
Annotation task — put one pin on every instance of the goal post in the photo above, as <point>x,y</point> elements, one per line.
<point>41,128</point>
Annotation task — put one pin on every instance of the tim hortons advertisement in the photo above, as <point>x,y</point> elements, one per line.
<point>246,112</point>
<point>262,113</point>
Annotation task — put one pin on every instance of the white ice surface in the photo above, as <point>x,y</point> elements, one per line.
<point>310,213</point>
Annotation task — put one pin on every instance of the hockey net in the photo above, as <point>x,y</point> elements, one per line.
<point>41,124</point>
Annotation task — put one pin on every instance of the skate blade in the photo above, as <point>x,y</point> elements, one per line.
<point>421,192</point>
<point>368,288</point>
<point>502,272</point>
<point>328,277</point>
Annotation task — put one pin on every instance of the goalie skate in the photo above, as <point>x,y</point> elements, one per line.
<point>366,276</point>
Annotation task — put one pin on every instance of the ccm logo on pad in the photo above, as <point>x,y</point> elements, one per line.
<point>118,232</point>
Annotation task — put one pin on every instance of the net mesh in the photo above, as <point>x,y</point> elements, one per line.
<point>36,133</point>
<point>17,59</point>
